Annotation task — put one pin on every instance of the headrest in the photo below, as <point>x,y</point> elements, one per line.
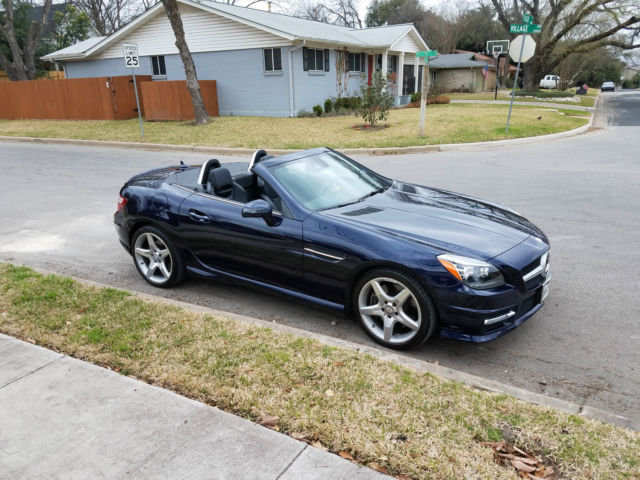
<point>257,156</point>
<point>206,168</point>
<point>221,182</point>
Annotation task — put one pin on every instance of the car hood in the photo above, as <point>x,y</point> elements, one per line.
<point>445,220</point>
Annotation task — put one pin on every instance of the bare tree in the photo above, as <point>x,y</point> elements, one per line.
<point>22,65</point>
<point>572,27</point>
<point>442,29</point>
<point>337,12</point>
<point>173,12</point>
<point>107,16</point>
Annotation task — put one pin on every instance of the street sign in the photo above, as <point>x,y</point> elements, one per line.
<point>131,60</point>
<point>525,28</point>
<point>524,43</point>
<point>528,19</point>
<point>427,53</point>
<point>130,51</point>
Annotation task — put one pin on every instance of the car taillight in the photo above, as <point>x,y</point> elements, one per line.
<point>122,202</point>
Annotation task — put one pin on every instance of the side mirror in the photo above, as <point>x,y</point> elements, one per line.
<point>259,209</point>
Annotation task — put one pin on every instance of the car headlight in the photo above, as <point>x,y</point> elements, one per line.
<point>472,272</point>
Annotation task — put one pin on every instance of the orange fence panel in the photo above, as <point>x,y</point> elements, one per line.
<point>170,100</point>
<point>101,98</point>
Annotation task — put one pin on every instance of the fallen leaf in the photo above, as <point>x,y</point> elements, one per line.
<point>302,436</point>
<point>402,476</point>
<point>318,445</point>
<point>377,468</point>
<point>345,455</point>
<point>329,393</point>
<point>269,421</point>
<point>339,364</point>
<point>522,466</point>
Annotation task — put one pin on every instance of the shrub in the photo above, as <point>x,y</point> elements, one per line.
<point>304,113</point>
<point>439,100</point>
<point>375,102</point>
<point>317,109</point>
<point>415,97</point>
<point>328,105</point>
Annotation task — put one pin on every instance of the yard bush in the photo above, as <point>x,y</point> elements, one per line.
<point>328,105</point>
<point>415,97</point>
<point>543,94</point>
<point>376,102</point>
<point>439,100</point>
<point>302,113</point>
<point>317,109</point>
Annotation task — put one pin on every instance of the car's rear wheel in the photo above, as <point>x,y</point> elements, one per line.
<point>156,257</point>
<point>394,309</point>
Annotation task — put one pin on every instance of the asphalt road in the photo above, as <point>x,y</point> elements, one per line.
<point>583,346</point>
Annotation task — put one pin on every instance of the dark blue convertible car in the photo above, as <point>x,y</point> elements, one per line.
<point>406,260</point>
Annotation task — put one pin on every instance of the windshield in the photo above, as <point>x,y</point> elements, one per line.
<point>327,180</point>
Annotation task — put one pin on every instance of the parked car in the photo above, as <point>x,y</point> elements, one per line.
<point>608,86</point>
<point>406,260</point>
<point>550,81</point>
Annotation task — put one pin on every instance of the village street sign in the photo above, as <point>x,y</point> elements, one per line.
<point>427,53</point>
<point>525,28</point>
<point>528,19</point>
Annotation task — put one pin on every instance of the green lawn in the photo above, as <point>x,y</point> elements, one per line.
<point>585,100</point>
<point>411,424</point>
<point>457,123</point>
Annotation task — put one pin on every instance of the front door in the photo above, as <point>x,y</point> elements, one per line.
<point>222,240</point>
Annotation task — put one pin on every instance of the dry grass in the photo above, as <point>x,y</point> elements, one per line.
<point>445,124</point>
<point>410,423</point>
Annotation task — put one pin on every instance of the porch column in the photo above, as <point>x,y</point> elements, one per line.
<point>384,64</point>
<point>416,67</point>
<point>400,73</point>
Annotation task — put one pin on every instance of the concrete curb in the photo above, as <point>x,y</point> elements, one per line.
<point>391,356</point>
<point>566,106</point>
<point>349,151</point>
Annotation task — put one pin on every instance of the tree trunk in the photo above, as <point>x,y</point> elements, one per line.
<point>171,7</point>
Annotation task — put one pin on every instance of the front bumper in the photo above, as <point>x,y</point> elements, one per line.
<point>483,315</point>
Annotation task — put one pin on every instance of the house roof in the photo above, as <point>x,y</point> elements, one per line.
<point>455,60</point>
<point>286,26</point>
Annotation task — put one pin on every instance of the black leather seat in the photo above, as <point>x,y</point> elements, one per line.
<point>222,185</point>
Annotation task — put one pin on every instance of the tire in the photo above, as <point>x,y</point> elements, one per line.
<point>404,318</point>
<point>156,257</point>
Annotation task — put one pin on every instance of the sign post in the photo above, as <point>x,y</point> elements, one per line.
<point>424,87</point>
<point>132,61</point>
<point>520,42</point>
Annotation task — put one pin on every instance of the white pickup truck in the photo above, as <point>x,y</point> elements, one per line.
<point>550,81</point>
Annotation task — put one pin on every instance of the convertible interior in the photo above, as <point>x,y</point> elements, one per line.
<point>235,181</point>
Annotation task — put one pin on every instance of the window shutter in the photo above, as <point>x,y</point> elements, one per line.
<point>362,69</point>
<point>326,60</point>
<point>305,59</point>
<point>346,60</point>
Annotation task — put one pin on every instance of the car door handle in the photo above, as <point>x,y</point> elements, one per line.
<point>199,216</point>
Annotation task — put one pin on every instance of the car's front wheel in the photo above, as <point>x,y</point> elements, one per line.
<point>156,257</point>
<point>394,309</point>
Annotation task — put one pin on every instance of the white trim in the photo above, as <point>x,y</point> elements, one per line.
<point>411,29</point>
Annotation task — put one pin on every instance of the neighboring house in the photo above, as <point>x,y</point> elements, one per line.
<point>264,63</point>
<point>630,74</point>
<point>457,72</point>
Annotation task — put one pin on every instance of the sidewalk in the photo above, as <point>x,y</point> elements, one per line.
<point>64,418</point>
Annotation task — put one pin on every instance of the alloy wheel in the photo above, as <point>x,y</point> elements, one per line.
<point>389,310</point>
<point>153,257</point>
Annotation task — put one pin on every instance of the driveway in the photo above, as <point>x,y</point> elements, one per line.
<point>583,346</point>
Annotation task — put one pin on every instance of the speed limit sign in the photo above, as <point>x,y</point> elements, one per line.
<point>131,59</point>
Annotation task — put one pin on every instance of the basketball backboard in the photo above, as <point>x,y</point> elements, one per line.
<point>496,47</point>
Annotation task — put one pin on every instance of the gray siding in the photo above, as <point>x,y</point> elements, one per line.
<point>244,89</point>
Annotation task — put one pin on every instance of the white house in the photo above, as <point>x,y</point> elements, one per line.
<point>264,63</point>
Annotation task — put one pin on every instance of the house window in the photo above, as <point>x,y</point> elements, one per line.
<point>355,62</point>
<point>315,60</point>
<point>157,64</point>
<point>272,60</point>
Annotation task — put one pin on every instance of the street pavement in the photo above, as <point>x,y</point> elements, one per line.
<point>61,418</point>
<point>583,346</point>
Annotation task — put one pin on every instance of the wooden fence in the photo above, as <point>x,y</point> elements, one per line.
<point>170,100</point>
<point>102,98</point>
